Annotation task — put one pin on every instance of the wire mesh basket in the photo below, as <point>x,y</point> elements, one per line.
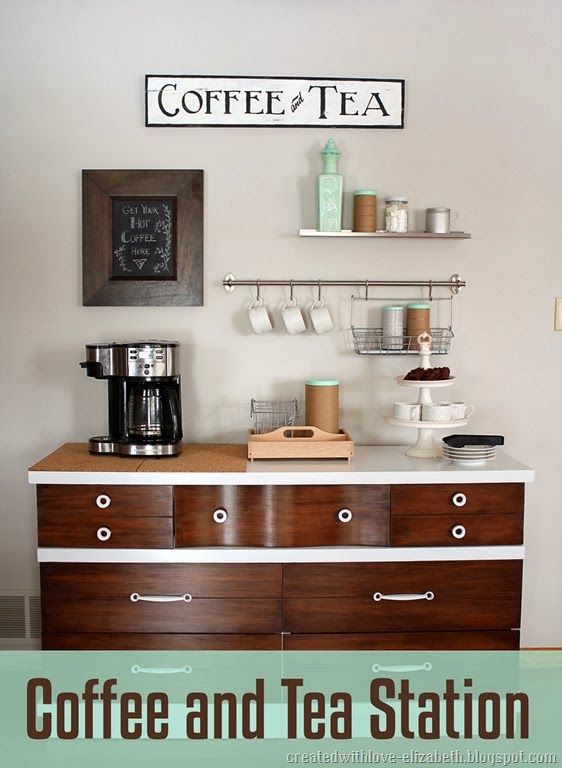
<point>370,341</point>
<point>269,415</point>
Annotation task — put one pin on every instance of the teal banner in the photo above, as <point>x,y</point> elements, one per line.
<point>277,709</point>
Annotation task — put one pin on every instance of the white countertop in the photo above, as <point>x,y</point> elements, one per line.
<point>371,465</point>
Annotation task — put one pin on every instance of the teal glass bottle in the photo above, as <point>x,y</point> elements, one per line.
<point>330,190</point>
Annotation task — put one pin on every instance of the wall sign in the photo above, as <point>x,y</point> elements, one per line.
<point>298,102</point>
<point>142,238</point>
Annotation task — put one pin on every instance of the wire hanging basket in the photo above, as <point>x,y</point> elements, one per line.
<point>371,341</point>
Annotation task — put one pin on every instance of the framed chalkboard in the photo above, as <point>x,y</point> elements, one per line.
<point>142,238</point>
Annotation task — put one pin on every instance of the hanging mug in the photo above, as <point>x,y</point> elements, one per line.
<point>259,316</point>
<point>320,317</point>
<point>292,317</point>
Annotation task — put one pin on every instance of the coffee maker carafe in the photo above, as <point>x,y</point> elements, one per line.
<point>144,397</point>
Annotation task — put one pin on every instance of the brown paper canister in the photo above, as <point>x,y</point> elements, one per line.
<point>322,404</point>
<point>417,322</point>
<point>365,210</point>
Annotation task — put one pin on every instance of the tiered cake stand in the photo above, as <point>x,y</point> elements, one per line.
<point>426,447</point>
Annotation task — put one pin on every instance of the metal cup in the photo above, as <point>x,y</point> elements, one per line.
<point>438,220</point>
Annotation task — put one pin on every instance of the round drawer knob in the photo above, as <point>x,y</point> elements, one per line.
<point>220,515</point>
<point>345,515</point>
<point>459,499</point>
<point>103,534</point>
<point>103,501</point>
<point>458,531</point>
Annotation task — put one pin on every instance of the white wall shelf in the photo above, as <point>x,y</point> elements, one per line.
<point>390,235</point>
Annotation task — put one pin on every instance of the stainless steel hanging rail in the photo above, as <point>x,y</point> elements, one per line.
<point>454,283</point>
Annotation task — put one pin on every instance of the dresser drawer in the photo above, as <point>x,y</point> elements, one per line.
<point>456,529</point>
<point>473,498</point>
<point>99,530</point>
<point>161,598</point>
<point>126,641</point>
<point>282,516</point>
<point>491,640</point>
<point>118,500</point>
<point>417,596</point>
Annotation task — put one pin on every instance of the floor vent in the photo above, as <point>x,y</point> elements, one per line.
<point>20,617</point>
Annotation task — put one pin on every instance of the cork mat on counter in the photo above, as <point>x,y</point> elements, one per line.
<point>74,457</point>
<point>201,458</point>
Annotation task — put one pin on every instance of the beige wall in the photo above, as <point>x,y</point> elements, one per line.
<point>482,135</point>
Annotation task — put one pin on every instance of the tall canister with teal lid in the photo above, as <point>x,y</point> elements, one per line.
<point>365,210</point>
<point>322,404</point>
<point>417,322</point>
<point>330,190</point>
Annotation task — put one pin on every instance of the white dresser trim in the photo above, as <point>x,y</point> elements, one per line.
<point>279,555</point>
<point>371,465</point>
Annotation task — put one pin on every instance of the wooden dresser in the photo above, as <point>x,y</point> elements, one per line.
<point>384,553</point>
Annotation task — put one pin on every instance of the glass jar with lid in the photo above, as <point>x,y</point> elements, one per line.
<point>396,214</point>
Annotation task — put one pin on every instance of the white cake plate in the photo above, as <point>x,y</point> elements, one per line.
<point>426,447</point>
<point>425,387</point>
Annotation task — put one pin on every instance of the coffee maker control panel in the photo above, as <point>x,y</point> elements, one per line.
<point>147,361</point>
<point>135,360</point>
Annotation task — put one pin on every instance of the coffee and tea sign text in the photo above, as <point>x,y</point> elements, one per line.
<point>185,100</point>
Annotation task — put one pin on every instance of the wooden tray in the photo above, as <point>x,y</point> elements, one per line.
<point>300,443</point>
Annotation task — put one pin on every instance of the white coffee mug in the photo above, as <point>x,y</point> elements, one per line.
<point>320,317</point>
<point>259,317</point>
<point>406,411</point>
<point>437,412</point>
<point>461,411</point>
<point>292,317</point>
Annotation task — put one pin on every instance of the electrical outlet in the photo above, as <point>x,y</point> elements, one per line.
<point>558,314</point>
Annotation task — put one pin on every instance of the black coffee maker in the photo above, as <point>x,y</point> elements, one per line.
<point>144,397</point>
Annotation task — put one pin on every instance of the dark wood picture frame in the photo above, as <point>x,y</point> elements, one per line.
<point>184,287</point>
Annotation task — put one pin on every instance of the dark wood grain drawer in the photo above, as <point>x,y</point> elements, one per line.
<point>126,641</point>
<point>282,516</point>
<point>462,595</point>
<point>100,530</point>
<point>497,640</point>
<point>119,614</point>
<point>120,598</point>
<point>118,500</point>
<point>471,498</point>
<point>456,529</point>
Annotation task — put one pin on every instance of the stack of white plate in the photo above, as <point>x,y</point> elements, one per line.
<point>470,454</point>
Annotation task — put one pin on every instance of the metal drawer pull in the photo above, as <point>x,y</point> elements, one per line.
<point>135,669</point>
<point>103,534</point>
<point>345,515</point>
<point>220,515</point>
<point>459,499</point>
<point>458,531</point>
<point>135,597</point>
<point>427,667</point>
<point>403,598</point>
<point>103,501</point>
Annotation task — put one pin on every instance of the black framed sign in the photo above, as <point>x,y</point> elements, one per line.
<point>142,237</point>
<point>298,102</point>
